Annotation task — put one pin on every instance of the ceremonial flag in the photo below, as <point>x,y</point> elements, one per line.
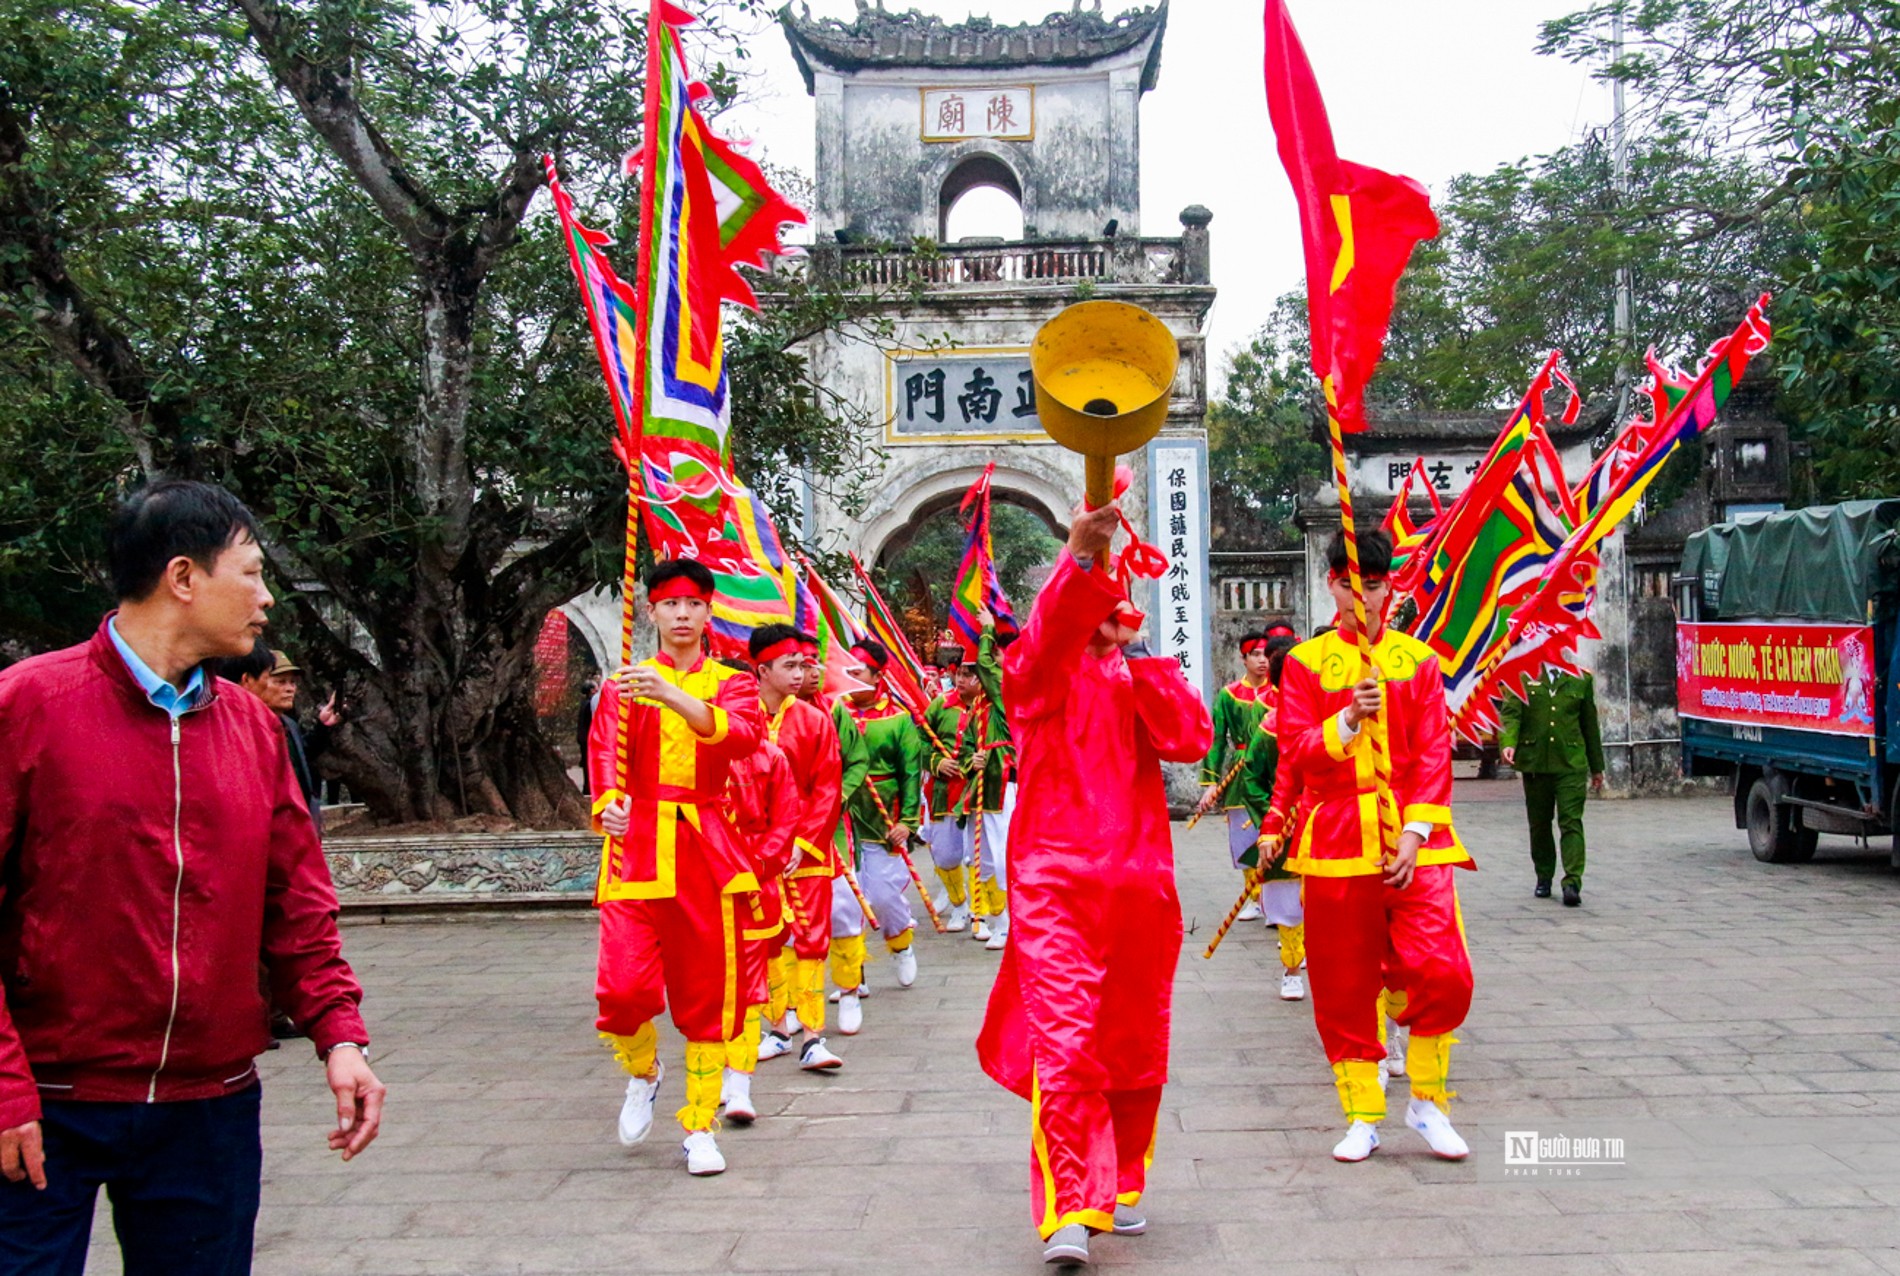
<point>1480,558</point>
<point>831,623</point>
<point>1691,408</point>
<point>707,210</point>
<point>977,585</point>
<point>1405,534</point>
<point>1359,226</point>
<point>904,676</point>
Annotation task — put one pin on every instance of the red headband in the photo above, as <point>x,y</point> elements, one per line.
<point>809,648</point>
<point>864,654</point>
<point>679,587</point>
<point>1252,645</point>
<point>1365,577</point>
<point>783,647</point>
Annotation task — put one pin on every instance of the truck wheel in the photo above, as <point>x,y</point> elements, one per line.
<point>1772,834</point>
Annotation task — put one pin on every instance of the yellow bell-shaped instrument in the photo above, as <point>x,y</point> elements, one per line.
<point>1103,372</point>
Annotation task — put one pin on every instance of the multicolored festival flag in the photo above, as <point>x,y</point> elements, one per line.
<point>977,586</point>
<point>1407,535</point>
<point>825,616</point>
<point>904,676</point>
<point>1683,408</point>
<point>1483,556</point>
<point>708,210</point>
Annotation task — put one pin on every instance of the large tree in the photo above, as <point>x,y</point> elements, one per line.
<point>1809,90</point>
<point>294,246</point>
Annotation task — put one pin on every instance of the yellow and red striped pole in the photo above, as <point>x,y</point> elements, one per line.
<point>1250,884</point>
<point>903,853</point>
<point>1221,788</point>
<point>1375,726</point>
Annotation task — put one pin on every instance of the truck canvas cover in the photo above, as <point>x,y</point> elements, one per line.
<point>1821,564</point>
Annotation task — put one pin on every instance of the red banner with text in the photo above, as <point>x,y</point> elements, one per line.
<point>1813,677</point>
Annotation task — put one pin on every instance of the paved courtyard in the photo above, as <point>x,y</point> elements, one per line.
<point>1733,1023</point>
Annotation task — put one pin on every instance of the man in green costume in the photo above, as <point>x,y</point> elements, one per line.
<point>1553,741</point>
<point>1238,709</point>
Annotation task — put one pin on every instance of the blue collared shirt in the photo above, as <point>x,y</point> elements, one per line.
<point>160,692</point>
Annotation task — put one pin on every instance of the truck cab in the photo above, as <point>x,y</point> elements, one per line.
<point>1785,660</point>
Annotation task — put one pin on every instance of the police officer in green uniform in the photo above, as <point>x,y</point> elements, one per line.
<point>1553,741</point>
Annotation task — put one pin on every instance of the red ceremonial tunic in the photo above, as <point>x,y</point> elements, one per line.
<point>809,740</point>
<point>677,780</point>
<point>764,804</point>
<point>1082,1000</point>
<point>1340,837</point>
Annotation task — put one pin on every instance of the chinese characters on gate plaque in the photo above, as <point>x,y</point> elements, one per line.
<point>950,115</point>
<point>961,393</point>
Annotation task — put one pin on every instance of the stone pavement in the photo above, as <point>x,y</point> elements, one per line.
<point>1732,1022</point>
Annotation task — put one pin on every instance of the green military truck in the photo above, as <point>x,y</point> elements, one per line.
<point>1785,655</point>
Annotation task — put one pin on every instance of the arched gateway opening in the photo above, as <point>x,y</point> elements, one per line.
<point>920,558</point>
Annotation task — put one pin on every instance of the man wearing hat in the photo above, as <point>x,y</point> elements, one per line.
<point>1239,708</point>
<point>272,677</point>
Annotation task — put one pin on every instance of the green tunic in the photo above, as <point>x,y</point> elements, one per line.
<point>1555,732</point>
<point>1260,770</point>
<point>942,715</point>
<point>990,726</point>
<point>1238,709</point>
<point>853,758</point>
<point>895,749</point>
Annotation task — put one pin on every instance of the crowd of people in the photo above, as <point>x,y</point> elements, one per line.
<point>757,828</point>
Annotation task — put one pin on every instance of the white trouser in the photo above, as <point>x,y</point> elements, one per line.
<point>992,847</point>
<point>1242,832</point>
<point>1280,902</point>
<point>847,919</point>
<point>946,843</point>
<point>884,878</point>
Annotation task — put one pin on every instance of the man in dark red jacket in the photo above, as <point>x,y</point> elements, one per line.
<point>154,846</point>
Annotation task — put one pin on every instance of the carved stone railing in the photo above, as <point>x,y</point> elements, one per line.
<point>1122,259</point>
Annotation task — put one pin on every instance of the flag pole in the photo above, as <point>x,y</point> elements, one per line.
<point>1374,727</point>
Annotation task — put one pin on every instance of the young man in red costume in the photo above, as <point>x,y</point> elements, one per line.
<point>762,799</point>
<point>676,882</point>
<point>809,741</point>
<point>847,919</point>
<point>1078,1019</point>
<point>1374,921</point>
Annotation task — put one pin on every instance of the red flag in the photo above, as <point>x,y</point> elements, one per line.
<point>1359,226</point>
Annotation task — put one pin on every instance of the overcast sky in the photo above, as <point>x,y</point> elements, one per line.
<point>1427,88</point>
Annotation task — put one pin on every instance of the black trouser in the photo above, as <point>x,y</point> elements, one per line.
<point>182,1177</point>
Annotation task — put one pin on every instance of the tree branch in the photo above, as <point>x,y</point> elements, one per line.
<point>326,95</point>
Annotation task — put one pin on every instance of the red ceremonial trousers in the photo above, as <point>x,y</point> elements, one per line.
<point>1082,1000</point>
<point>810,741</point>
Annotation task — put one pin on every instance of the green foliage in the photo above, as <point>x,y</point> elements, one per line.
<point>924,571</point>
<point>1261,449</point>
<point>296,246</point>
<point>1811,90</point>
<point>1527,258</point>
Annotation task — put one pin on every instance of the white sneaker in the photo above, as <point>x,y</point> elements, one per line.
<point>850,1015</point>
<point>940,901</point>
<point>792,1026</point>
<point>1292,987</point>
<point>906,964</point>
<point>1430,1120</point>
<point>1396,1039</point>
<point>702,1154</point>
<point>1069,1245</point>
<point>816,1058</point>
<point>864,990</point>
<point>636,1114</point>
<point>980,929</point>
<point>1385,1076</point>
<point>1250,911</point>
<point>736,1095</point>
<point>774,1044</point>
<point>957,919</point>
<point>1129,1221</point>
<point>1361,1141</point>
<point>999,932</point>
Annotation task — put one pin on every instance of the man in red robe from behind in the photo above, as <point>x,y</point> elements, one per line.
<point>1078,1018</point>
